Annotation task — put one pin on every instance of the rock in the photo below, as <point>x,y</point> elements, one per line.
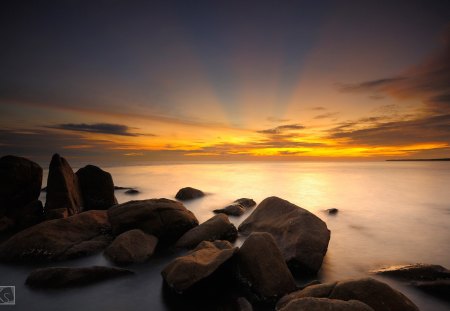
<point>20,185</point>
<point>415,272</point>
<point>63,190</point>
<point>301,236</point>
<point>97,188</point>
<point>29,215</point>
<point>245,202</point>
<point>59,239</point>
<point>232,210</point>
<point>122,188</point>
<point>63,277</point>
<point>321,304</point>
<point>187,272</point>
<point>188,193</point>
<point>215,228</point>
<point>243,304</point>
<point>132,191</point>
<point>261,269</point>
<point>332,211</point>
<point>377,295</point>
<point>6,224</point>
<point>56,213</point>
<point>166,219</point>
<point>131,246</point>
<point>438,288</point>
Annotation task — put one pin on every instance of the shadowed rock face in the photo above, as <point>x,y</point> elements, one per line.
<point>301,236</point>
<point>189,193</point>
<point>63,277</point>
<point>322,304</point>
<point>20,180</point>
<point>131,246</point>
<point>63,190</point>
<point>379,296</point>
<point>59,239</point>
<point>97,188</point>
<point>261,269</point>
<point>215,228</point>
<point>166,219</point>
<point>183,273</point>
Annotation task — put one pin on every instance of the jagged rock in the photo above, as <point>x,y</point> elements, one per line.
<point>97,188</point>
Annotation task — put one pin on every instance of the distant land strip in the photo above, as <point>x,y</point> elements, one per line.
<point>441,159</point>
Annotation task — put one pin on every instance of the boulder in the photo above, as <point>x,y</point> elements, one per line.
<point>28,215</point>
<point>20,185</point>
<point>301,236</point>
<point>63,190</point>
<point>321,304</point>
<point>131,246</point>
<point>332,211</point>
<point>6,224</point>
<point>232,210</point>
<point>166,219</point>
<point>193,270</point>
<point>56,213</point>
<point>97,188</point>
<point>59,239</point>
<point>377,295</point>
<point>415,272</point>
<point>261,269</point>
<point>245,202</point>
<point>132,191</point>
<point>189,193</point>
<point>438,288</point>
<point>215,228</point>
<point>63,277</point>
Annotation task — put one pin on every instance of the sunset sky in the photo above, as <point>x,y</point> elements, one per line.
<point>136,81</point>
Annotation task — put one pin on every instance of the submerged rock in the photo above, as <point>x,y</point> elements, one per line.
<point>245,202</point>
<point>332,211</point>
<point>232,210</point>
<point>59,239</point>
<point>215,228</point>
<point>63,190</point>
<point>189,193</point>
<point>166,219</point>
<point>301,236</point>
<point>131,246</point>
<point>322,304</point>
<point>63,277</point>
<point>261,269</point>
<point>377,295</point>
<point>132,191</point>
<point>195,269</point>
<point>97,188</point>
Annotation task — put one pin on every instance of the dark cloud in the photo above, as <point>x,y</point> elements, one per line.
<point>368,86</point>
<point>318,108</point>
<point>103,128</point>
<point>280,129</point>
<point>326,115</point>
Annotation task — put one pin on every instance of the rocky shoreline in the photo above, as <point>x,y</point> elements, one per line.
<point>81,217</point>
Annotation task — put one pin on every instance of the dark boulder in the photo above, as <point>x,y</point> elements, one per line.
<point>261,269</point>
<point>438,288</point>
<point>59,239</point>
<point>97,188</point>
<point>332,211</point>
<point>245,202</point>
<point>29,215</point>
<point>215,228</point>
<point>189,193</point>
<point>232,210</point>
<point>63,277</point>
<point>377,295</point>
<point>166,219</point>
<point>322,304</point>
<point>194,270</point>
<point>301,236</point>
<point>20,186</point>
<point>132,191</point>
<point>131,246</point>
<point>63,190</point>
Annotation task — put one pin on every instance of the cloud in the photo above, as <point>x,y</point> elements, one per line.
<point>282,128</point>
<point>318,108</point>
<point>102,128</point>
<point>326,115</point>
<point>368,86</point>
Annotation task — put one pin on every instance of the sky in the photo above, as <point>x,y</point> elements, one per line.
<point>136,81</point>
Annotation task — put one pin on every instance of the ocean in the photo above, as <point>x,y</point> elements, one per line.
<point>389,213</point>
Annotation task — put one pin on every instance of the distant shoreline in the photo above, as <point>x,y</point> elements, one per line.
<point>400,160</point>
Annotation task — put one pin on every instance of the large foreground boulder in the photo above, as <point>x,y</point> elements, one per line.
<point>189,193</point>
<point>62,277</point>
<point>20,186</point>
<point>192,271</point>
<point>97,188</point>
<point>131,246</point>
<point>166,219</point>
<point>59,239</point>
<point>301,236</point>
<point>325,304</point>
<point>215,228</point>
<point>379,296</point>
<point>261,269</point>
<point>63,190</point>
